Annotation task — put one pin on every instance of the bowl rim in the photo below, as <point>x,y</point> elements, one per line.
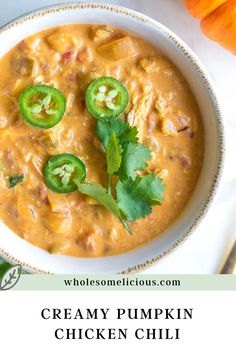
<point>185,50</point>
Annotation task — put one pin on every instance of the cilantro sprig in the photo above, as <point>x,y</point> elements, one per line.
<point>134,158</point>
<point>114,157</point>
<point>123,131</point>
<point>136,197</point>
<point>96,191</point>
<point>16,179</point>
<point>133,196</point>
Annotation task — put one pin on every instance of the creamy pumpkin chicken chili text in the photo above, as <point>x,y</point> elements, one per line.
<point>101,141</point>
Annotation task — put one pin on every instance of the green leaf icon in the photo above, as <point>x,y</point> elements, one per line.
<point>10,277</point>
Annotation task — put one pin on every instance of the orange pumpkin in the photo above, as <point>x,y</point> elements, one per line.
<point>220,25</point>
<point>218,20</point>
<point>202,8</point>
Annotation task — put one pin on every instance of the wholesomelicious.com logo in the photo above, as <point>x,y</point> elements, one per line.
<point>11,277</point>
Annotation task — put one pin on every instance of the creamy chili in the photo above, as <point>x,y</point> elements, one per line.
<point>161,105</point>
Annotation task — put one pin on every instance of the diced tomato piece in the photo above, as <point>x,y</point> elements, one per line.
<point>43,195</point>
<point>44,65</point>
<point>66,57</point>
<point>9,158</point>
<point>185,162</point>
<point>83,103</point>
<point>72,76</point>
<point>22,45</point>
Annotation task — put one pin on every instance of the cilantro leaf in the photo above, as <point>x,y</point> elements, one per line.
<point>96,191</point>
<point>114,151</point>
<point>135,197</point>
<point>123,131</point>
<point>14,180</point>
<point>130,135</point>
<point>134,158</point>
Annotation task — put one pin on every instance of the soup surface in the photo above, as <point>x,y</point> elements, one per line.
<point>161,106</point>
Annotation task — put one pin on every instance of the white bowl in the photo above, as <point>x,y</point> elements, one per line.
<point>16,250</point>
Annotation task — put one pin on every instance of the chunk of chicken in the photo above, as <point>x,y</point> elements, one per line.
<point>174,123</point>
<point>99,33</point>
<point>90,243</point>
<point>113,234</point>
<point>153,143</point>
<point>24,205</point>
<point>89,239</point>
<point>31,43</point>
<point>164,173</point>
<point>169,127</point>
<point>38,163</point>
<point>50,143</point>
<point>8,107</point>
<point>51,139</point>
<point>47,58</point>
<point>60,247</point>
<point>58,203</point>
<point>3,182</point>
<point>122,48</point>
<point>3,122</point>
<point>162,106</point>
<point>63,41</point>
<point>150,65</point>
<point>69,101</point>
<point>155,64</point>
<point>59,223</point>
<point>138,114</point>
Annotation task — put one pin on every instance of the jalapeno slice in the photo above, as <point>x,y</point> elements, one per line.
<point>106,98</point>
<point>42,106</point>
<point>61,171</point>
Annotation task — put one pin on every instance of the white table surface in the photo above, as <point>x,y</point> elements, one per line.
<point>208,247</point>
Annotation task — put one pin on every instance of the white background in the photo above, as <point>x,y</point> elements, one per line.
<point>207,249</point>
<point>212,329</point>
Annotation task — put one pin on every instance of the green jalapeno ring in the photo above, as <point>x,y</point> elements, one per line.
<point>61,170</point>
<point>106,98</point>
<point>42,106</point>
